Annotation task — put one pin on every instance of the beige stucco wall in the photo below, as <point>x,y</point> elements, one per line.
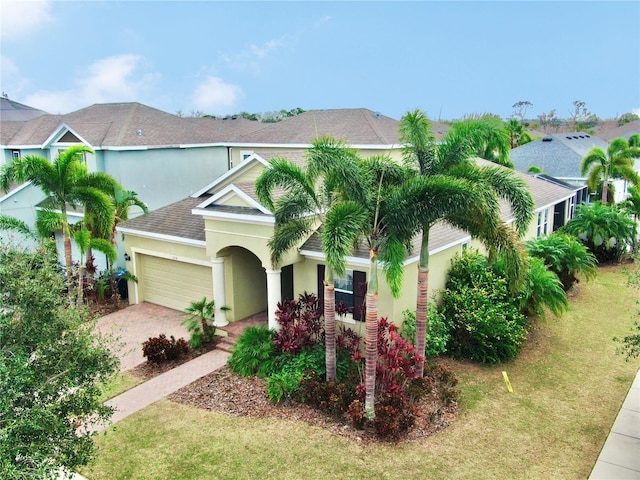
<point>245,283</point>
<point>305,279</point>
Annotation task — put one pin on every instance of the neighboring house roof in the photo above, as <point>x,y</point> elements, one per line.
<point>623,131</point>
<point>358,126</point>
<point>10,110</point>
<point>558,155</point>
<point>127,125</point>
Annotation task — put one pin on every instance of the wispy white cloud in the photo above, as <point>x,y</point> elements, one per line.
<point>113,79</point>
<point>20,17</point>
<point>254,56</point>
<point>215,96</point>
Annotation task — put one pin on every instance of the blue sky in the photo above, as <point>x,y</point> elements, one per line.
<point>446,58</point>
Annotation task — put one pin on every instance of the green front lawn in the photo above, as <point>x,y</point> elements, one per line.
<point>568,387</point>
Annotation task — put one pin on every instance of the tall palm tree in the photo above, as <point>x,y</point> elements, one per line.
<point>454,189</point>
<point>68,183</point>
<point>617,162</point>
<point>362,217</point>
<point>309,191</point>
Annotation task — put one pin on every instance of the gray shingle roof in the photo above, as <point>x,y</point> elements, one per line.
<point>174,220</point>
<point>127,124</point>
<point>11,110</point>
<point>558,155</point>
<point>358,126</point>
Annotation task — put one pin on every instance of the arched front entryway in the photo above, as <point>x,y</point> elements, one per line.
<point>245,283</point>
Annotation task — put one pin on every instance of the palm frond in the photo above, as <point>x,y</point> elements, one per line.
<point>48,222</point>
<point>15,225</point>
<point>106,247</point>
<point>285,175</point>
<point>344,223</point>
<point>287,235</point>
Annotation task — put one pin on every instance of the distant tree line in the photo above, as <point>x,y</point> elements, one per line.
<point>264,117</point>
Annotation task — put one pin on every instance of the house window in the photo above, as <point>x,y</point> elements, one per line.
<point>244,154</point>
<point>465,246</point>
<point>350,289</point>
<point>15,154</point>
<point>543,222</point>
<point>344,288</point>
<point>572,207</point>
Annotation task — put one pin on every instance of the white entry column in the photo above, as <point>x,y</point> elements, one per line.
<point>219,296</point>
<point>274,294</point>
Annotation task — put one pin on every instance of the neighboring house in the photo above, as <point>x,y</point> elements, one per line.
<point>559,156</point>
<point>160,156</point>
<point>214,244</point>
<point>622,131</point>
<point>164,158</point>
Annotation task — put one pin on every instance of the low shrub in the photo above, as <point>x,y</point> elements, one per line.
<point>283,385</point>
<point>162,349</point>
<point>254,353</point>
<point>437,330</point>
<point>333,398</point>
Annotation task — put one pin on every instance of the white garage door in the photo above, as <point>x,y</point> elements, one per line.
<point>173,284</point>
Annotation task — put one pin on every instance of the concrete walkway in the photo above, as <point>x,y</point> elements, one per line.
<point>133,325</point>
<point>157,388</point>
<point>620,456</point>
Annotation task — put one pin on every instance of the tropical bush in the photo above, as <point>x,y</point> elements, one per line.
<point>437,332</point>
<point>161,349</point>
<point>607,230</point>
<point>543,289</point>
<point>487,325</point>
<point>254,353</point>
<point>566,256</point>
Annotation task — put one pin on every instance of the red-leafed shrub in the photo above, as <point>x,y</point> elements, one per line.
<point>300,324</point>
<point>162,349</point>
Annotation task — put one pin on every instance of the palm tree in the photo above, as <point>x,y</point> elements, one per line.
<point>330,172</point>
<point>632,202</point>
<point>616,162</point>
<point>454,189</point>
<point>67,182</point>
<point>517,134</point>
<point>362,217</point>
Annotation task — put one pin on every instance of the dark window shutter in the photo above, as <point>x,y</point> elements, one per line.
<point>321,284</point>
<point>359,292</point>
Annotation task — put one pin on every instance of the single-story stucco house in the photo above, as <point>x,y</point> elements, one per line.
<point>559,156</point>
<point>214,244</point>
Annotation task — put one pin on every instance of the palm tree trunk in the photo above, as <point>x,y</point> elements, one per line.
<point>605,189</point>
<point>371,338</point>
<point>421,313</point>
<point>330,328</point>
<point>68,258</point>
<point>423,298</point>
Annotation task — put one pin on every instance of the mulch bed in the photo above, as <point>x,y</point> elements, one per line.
<point>225,392</point>
<point>148,370</point>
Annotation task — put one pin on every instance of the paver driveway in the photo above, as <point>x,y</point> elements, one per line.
<point>133,325</point>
